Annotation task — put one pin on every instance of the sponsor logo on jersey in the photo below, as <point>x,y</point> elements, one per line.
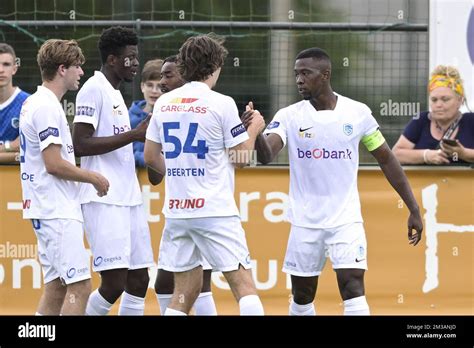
<point>237,130</point>
<point>324,154</point>
<point>43,135</point>
<point>186,203</point>
<point>273,124</point>
<point>183,107</point>
<point>347,128</point>
<point>15,122</point>
<point>99,260</point>
<point>183,100</point>
<point>84,111</point>
<point>71,272</point>
<point>302,133</point>
<point>70,148</point>
<point>121,129</point>
<point>26,203</point>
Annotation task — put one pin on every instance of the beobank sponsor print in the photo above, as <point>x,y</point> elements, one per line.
<point>324,154</point>
<point>183,105</point>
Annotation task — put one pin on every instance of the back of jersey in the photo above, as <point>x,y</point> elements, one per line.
<point>195,126</point>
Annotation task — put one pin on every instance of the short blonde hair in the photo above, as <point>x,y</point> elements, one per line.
<point>152,70</point>
<point>54,53</point>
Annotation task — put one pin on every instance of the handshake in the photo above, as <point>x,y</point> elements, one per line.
<point>253,120</point>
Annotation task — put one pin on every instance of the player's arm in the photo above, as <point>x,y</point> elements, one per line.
<point>268,146</point>
<point>9,151</point>
<point>395,175</point>
<point>59,167</point>
<point>155,161</point>
<point>87,145</point>
<point>9,157</point>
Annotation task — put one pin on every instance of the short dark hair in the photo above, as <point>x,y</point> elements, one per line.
<point>114,39</point>
<point>171,59</point>
<point>200,56</point>
<point>152,70</point>
<point>314,52</point>
<point>6,48</point>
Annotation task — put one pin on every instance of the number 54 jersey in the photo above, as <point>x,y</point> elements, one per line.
<point>196,126</point>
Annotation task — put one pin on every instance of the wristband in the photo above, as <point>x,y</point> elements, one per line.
<point>424,156</point>
<point>7,146</point>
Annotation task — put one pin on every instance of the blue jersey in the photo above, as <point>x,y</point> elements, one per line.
<point>10,115</point>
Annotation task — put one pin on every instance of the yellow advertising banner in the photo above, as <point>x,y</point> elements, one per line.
<point>435,277</point>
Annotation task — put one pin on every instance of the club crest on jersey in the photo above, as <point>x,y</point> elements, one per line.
<point>347,128</point>
<point>15,122</point>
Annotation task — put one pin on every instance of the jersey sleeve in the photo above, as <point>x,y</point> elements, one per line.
<point>278,126</point>
<point>153,130</point>
<point>88,106</point>
<point>47,125</point>
<point>233,128</point>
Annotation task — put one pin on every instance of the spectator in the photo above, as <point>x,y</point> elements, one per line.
<point>442,135</point>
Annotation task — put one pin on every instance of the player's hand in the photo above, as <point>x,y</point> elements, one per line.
<point>257,123</point>
<point>100,183</point>
<point>415,223</point>
<point>140,130</point>
<point>452,151</point>
<point>247,115</point>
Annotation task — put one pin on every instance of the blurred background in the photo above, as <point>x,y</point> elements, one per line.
<point>379,49</point>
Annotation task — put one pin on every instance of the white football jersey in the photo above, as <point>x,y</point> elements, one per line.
<point>42,123</point>
<point>102,106</point>
<point>195,126</point>
<point>323,150</point>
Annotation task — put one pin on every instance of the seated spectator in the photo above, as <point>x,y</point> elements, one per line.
<point>11,100</point>
<point>442,135</point>
<point>150,85</point>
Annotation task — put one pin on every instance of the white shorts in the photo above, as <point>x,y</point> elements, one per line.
<point>61,250</point>
<point>219,240</point>
<point>119,236</point>
<point>308,249</point>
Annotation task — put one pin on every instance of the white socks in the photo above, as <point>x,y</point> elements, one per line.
<point>204,304</point>
<point>163,301</point>
<point>97,305</point>
<point>297,309</point>
<point>250,305</point>
<point>356,306</point>
<point>131,305</point>
<point>170,311</point>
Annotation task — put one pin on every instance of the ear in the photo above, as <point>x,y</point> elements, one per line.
<point>15,67</point>
<point>142,87</point>
<point>111,60</point>
<point>327,75</point>
<point>61,70</point>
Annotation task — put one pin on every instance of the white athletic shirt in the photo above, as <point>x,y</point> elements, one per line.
<point>102,106</point>
<point>42,123</point>
<point>323,149</point>
<point>195,125</point>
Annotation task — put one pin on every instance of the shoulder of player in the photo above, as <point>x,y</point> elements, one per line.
<point>353,104</point>
<point>293,109</point>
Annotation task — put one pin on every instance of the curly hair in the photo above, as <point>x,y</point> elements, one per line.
<point>200,56</point>
<point>54,53</point>
<point>114,39</point>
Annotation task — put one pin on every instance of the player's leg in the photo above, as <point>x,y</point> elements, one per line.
<point>141,257</point>
<point>221,240</point>
<point>52,298</point>
<point>76,298</point>
<point>109,239</point>
<point>187,286</point>
<point>349,259</point>
<point>304,260</point>
<point>205,304</point>
<point>164,286</point>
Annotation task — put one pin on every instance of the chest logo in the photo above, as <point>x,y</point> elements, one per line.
<point>347,128</point>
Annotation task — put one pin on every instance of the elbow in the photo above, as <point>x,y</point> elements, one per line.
<point>52,169</point>
<point>79,150</point>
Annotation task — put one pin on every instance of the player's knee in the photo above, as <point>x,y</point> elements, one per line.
<point>303,294</point>
<point>137,282</point>
<point>164,283</point>
<point>80,289</point>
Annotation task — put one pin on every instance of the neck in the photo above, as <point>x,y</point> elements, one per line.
<point>110,76</point>
<point>6,92</point>
<point>444,124</point>
<point>56,88</point>
<point>325,101</point>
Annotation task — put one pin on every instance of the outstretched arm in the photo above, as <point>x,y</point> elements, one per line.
<point>397,178</point>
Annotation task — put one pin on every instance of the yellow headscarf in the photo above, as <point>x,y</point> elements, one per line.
<point>445,81</point>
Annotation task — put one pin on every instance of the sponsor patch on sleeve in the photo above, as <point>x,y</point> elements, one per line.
<point>82,110</point>
<point>43,135</point>
<point>273,124</point>
<point>237,130</point>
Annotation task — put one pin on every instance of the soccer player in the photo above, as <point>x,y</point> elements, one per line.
<point>116,225</point>
<point>48,175</point>
<point>196,128</point>
<point>11,100</point>
<point>322,133</point>
<point>164,284</point>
